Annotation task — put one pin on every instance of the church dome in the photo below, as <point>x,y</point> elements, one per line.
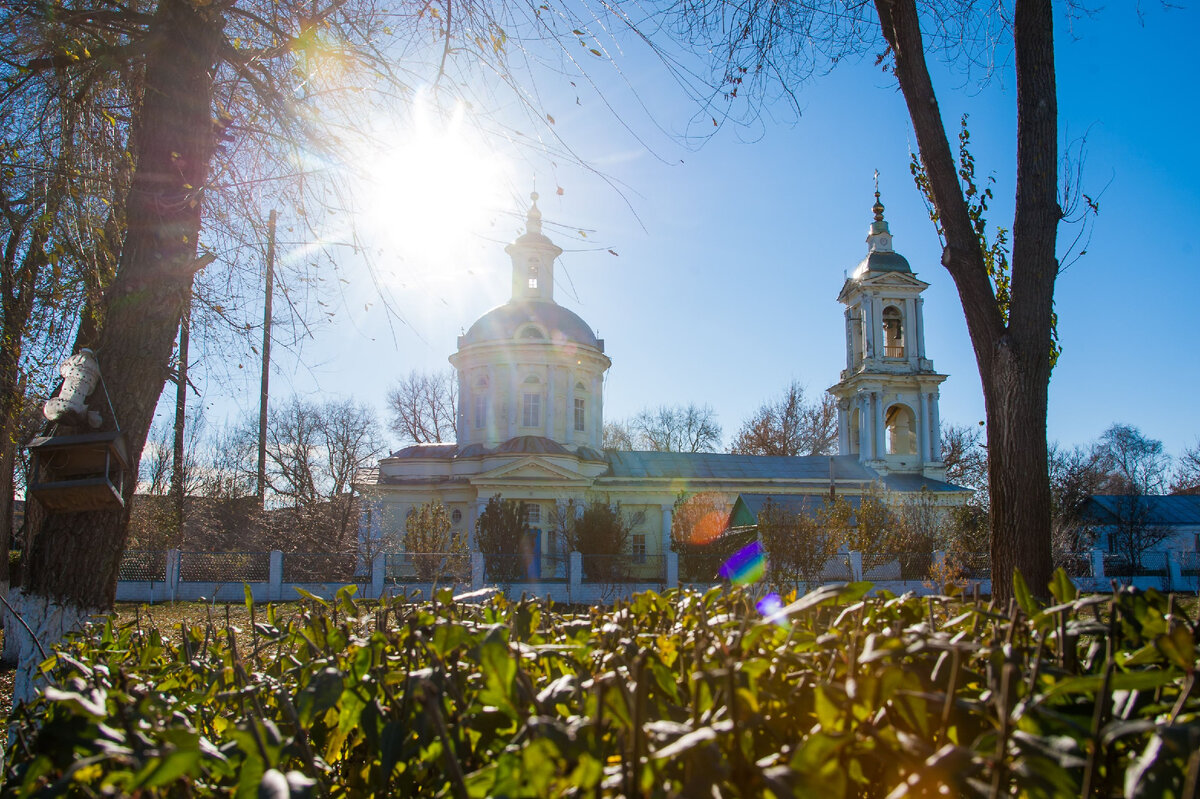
<point>528,319</point>
<point>883,261</point>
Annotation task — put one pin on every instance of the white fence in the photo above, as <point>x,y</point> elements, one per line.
<point>574,578</point>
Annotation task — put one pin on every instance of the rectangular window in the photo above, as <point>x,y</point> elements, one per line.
<point>639,547</point>
<point>533,513</point>
<point>533,282</point>
<point>480,411</point>
<point>532,410</point>
<point>579,416</point>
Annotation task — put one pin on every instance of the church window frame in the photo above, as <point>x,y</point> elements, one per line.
<point>580,414</point>
<point>637,547</point>
<point>531,409</point>
<point>533,513</point>
<point>531,282</point>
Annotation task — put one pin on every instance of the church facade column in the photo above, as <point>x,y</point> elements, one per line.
<point>880,446</point>
<point>569,428</point>
<point>922,426</point>
<point>935,428</point>
<point>550,381</point>
<point>910,319</point>
<point>514,400</point>
<point>920,327</point>
<point>668,512</point>
<point>843,427</point>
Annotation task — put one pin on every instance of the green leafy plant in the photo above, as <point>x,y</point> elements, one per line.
<point>836,694</point>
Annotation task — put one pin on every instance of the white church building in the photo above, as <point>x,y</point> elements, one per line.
<point>531,416</point>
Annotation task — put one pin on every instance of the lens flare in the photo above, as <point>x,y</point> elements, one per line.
<point>746,566</point>
<point>771,607</point>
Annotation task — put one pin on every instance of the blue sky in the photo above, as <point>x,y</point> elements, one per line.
<point>730,256</point>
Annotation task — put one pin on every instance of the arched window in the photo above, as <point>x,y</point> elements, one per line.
<point>854,431</point>
<point>529,331</point>
<point>893,332</point>
<point>901,430</point>
<point>533,275</point>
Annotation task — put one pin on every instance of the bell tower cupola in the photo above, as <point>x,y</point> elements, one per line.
<point>533,256</point>
<point>888,392</point>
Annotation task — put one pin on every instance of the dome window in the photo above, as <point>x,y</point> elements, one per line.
<point>530,332</point>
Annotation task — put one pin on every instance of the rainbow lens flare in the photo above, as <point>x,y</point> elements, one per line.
<point>746,566</point>
<point>771,607</point>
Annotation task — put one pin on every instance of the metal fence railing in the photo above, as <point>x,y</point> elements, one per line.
<point>427,567</point>
<point>1189,563</point>
<point>526,567</point>
<point>1143,564</point>
<point>323,567</point>
<point>224,567</point>
<point>701,567</point>
<point>1075,564</point>
<point>624,568</point>
<point>144,564</point>
<point>972,565</point>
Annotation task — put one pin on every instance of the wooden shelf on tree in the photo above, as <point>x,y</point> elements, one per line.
<point>79,472</point>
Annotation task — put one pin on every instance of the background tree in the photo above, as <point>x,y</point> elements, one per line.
<point>966,458</point>
<point>618,436</point>
<point>1076,475</point>
<point>1132,532</point>
<point>679,428</point>
<point>314,451</point>
<point>791,424</point>
<point>800,540</point>
<point>601,533</point>
<point>502,535</point>
<point>873,530</point>
<point>1135,464</point>
<point>436,552</point>
<point>424,407</point>
<point>1187,471</point>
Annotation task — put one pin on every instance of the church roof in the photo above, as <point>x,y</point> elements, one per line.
<point>720,466</point>
<point>532,445</point>
<point>1173,509</point>
<point>503,322</point>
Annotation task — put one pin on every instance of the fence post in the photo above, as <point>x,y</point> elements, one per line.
<point>275,575</point>
<point>575,575</point>
<point>476,571</point>
<point>1097,563</point>
<point>377,574</point>
<point>172,573</point>
<point>856,569</point>
<point>672,569</point>
<point>1174,571</point>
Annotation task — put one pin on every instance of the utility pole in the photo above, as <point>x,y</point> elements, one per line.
<point>266,365</point>
<point>181,385</point>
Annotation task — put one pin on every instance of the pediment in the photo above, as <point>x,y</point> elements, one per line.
<point>894,279</point>
<point>531,468</point>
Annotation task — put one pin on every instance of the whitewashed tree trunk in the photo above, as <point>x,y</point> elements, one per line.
<point>49,622</point>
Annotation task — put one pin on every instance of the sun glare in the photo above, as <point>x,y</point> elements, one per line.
<point>432,189</point>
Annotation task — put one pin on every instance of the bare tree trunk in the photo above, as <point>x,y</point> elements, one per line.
<point>75,557</point>
<point>1014,354</point>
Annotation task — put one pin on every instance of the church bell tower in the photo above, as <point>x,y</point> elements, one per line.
<point>888,392</point>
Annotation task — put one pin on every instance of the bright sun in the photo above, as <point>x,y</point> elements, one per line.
<point>433,188</point>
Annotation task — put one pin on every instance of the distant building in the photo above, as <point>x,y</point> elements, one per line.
<point>1157,524</point>
<point>530,414</point>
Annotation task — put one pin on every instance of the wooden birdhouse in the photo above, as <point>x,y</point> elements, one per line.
<point>79,472</point>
